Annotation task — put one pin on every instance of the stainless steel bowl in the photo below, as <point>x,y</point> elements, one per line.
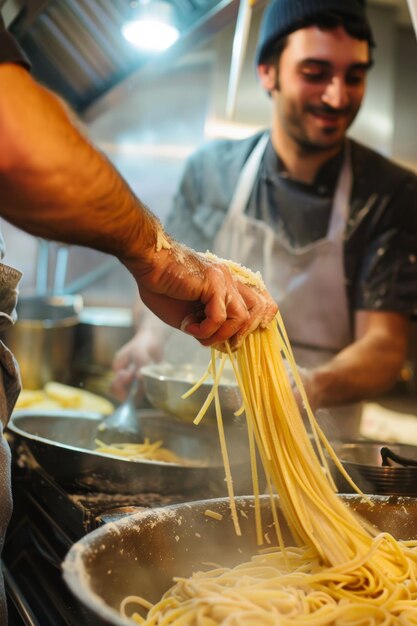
<point>165,383</point>
<point>142,553</point>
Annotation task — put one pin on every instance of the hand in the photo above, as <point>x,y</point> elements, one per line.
<point>201,296</point>
<point>145,347</point>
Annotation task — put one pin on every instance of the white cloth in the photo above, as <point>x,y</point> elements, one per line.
<point>308,283</point>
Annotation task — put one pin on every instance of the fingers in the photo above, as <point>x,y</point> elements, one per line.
<point>122,358</point>
<point>122,381</point>
<point>222,320</point>
<point>183,284</point>
<point>262,310</point>
<point>224,310</point>
<point>145,347</point>
<point>241,309</point>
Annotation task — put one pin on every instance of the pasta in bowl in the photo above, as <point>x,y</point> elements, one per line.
<point>141,555</point>
<point>337,568</point>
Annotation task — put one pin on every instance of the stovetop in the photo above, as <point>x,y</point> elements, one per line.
<point>78,512</point>
<point>47,520</point>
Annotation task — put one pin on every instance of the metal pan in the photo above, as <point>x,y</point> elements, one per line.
<point>363,462</point>
<point>141,554</point>
<point>62,443</point>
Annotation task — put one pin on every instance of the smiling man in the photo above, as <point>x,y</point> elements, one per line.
<point>331,224</point>
<point>317,85</point>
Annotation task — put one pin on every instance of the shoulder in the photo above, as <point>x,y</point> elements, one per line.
<point>379,172</point>
<point>211,173</point>
<point>229,153</point>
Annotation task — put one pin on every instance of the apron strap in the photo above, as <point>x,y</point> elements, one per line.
<point>340,207</point>
<point>247,177</point>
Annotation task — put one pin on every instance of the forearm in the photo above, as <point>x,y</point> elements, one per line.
<point>365,369</point>
<point>54,184</point>
<point>49,171</point>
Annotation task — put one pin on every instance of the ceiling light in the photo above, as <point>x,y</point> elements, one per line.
<point>153,27</point>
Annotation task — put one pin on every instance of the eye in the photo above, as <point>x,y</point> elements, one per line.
<point>314,73</point>
<point>355,79</point>
<point>314,77</point>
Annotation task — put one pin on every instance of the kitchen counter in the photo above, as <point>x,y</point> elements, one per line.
<point>391,419</point>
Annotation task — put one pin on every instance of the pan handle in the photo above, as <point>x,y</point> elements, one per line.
<point>388,454</point>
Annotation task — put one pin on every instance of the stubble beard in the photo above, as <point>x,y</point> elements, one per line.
<point>296,126</point>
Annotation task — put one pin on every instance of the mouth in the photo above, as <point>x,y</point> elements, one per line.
<point>329,119</point>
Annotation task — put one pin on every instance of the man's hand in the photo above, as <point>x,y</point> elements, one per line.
<point>202,297</point>
<point>145,347</point>
<point>366,368</point>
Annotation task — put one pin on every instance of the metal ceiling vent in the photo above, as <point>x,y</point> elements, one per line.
<point>77,47</point>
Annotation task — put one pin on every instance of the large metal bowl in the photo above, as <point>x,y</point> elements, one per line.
<point>363,461</point>
<point>165,383</point>
<point>141,554</point>
<point>63,442</point>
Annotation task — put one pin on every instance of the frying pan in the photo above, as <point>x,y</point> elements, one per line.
<point>62,443</point>
<point>141,554</point>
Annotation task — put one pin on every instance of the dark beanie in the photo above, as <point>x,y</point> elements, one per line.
<point>282,17</point>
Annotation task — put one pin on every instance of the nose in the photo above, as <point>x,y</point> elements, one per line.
<point>336,93</point>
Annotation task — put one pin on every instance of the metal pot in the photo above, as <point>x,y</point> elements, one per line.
<point>141,554</point>
<point>101,332</point>
<point>43,338</point>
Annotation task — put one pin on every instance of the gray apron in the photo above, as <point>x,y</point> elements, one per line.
<point>308,283</point>
<point>9,392</point>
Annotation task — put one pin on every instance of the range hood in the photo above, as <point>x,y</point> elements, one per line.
<point>77,49</point>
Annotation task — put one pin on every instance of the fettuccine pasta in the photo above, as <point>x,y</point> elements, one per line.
<point>341,572</point>
<point>148,450</point>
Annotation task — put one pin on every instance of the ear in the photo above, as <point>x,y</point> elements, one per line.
<point>267,75</point>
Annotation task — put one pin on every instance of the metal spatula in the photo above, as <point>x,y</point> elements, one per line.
<point>123,425</point>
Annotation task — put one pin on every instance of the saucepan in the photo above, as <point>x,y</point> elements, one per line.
<point>63,443</point>
<point>165,383</point>
<point>141,554</point>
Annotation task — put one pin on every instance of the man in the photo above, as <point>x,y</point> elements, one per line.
<point>331,225</point>
<point>55,184</point>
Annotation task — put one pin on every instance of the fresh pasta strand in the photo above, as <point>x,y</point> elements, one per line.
<point>340,573</point>
<point>151,451</point>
